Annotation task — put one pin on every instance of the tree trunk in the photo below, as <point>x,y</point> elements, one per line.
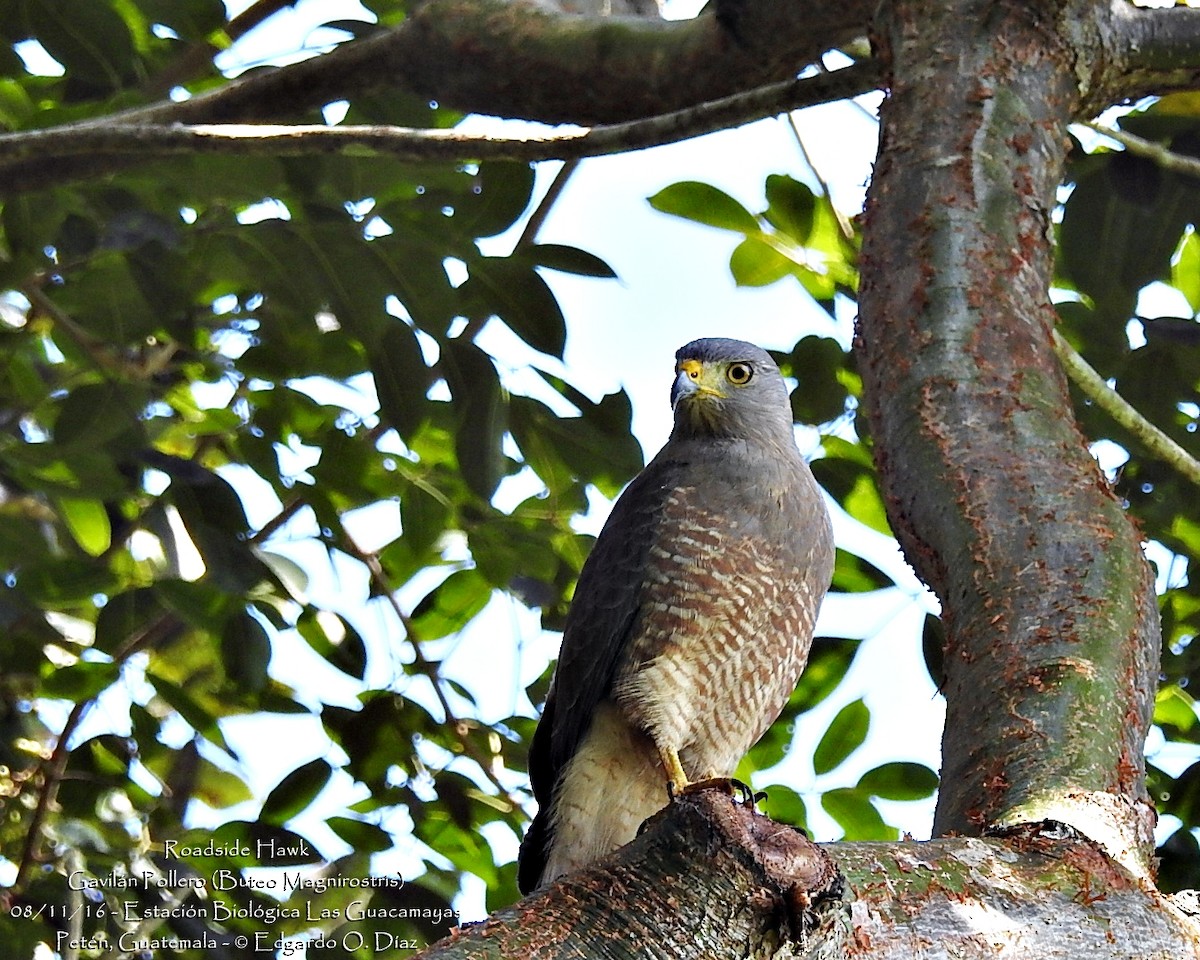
<point>1051,623</point>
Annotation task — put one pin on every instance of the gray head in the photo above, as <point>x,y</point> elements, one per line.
<point>729,388</point>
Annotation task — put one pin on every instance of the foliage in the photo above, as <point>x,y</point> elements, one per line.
<point>213,369</point>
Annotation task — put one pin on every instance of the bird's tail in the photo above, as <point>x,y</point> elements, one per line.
<point>531,860</point>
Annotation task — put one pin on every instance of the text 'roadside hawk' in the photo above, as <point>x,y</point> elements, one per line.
<point>692,618</point>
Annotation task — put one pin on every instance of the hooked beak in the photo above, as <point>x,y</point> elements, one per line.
<point>692,380</point>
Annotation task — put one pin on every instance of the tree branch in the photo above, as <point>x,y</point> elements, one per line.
<point>52,774</point>
<point>460,727</point>
<point>512,59</point>
<point>519,61</point>
<point>39,158</point>
<point>143,140</point>
<point>1117,407</point>
<point>1146,51</point>
<point>711,878</point>
<point>1141,147</point>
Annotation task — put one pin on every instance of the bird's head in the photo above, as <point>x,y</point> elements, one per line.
<point>729,388</point>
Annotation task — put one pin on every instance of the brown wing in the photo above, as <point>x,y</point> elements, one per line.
<point>603,612</point>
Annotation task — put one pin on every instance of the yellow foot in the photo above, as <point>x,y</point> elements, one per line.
<point>679,785</point>
<point>677,781</point>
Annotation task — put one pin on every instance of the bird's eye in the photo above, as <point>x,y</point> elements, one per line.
<point>739,374</point>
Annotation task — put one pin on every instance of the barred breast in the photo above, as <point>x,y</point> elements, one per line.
<point>725,626</point>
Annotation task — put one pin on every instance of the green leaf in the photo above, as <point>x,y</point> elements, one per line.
<point>481,413</point>
<point>790,207</point>
<point>88,38</point>
<point>557,256</point>
<point>756,263</point>
<point>856,815</point>
<point>852,574</point>
<point>246,652</point>
<point>125,617</point>
<point>1185,271</point>
<point>97,414</point>
<point>498,197</point>
<point>88,522</point>
<point>401,379</point>
<point>296,791</point>
<point>818,364</point>
<point>828,662</point>
<point>362,836</point>
<point>107,298</point>
<point>81,681</point>
<point>217,788</point>
<point>512,290</point>
<point>785,805</point>
<point>424,516</point>
<point>335,639</point>
<point>864,504</point>
<point>191,710</point>
<point>63,583</point>
<point>899,781</point>
<point>1120,226</point>
<point>451,605</point>
<point>31,221</point>
<point>845,735</point>
<point>705,204</point>
<point>1174,706</point>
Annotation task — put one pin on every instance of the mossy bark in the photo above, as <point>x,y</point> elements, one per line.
<point>1051,623</point>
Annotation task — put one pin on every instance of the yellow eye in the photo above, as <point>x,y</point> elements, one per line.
<point>739,374</point>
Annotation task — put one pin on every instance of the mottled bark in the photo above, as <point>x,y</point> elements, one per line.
<point>1052,629</point>
<point>711,879</point>
<point>1142,51</point>
<point>708,877</point>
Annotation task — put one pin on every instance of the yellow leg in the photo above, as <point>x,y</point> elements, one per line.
<point>677,778</point>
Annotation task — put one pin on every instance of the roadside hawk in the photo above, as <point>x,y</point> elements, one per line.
<point>692,618</point>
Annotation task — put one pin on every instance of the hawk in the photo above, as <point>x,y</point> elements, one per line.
<point>692,618</point>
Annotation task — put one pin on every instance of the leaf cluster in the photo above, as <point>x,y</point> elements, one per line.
<point>208,370</point>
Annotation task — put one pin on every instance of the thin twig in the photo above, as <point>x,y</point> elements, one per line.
<point>538,217</point>
<point>53,770</point>
<point>1117,407</point>
<point>290,509</point>
<point>137,140</point>
<point>1141,147</point>
<point>458,725</point>
<point>844,225</point>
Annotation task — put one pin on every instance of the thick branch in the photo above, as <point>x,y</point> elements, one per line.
<point>1145,51</point>
<point>1051,622</point>
<point>519,61</point>
<point>709,878</point>
<point>513,60</point>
